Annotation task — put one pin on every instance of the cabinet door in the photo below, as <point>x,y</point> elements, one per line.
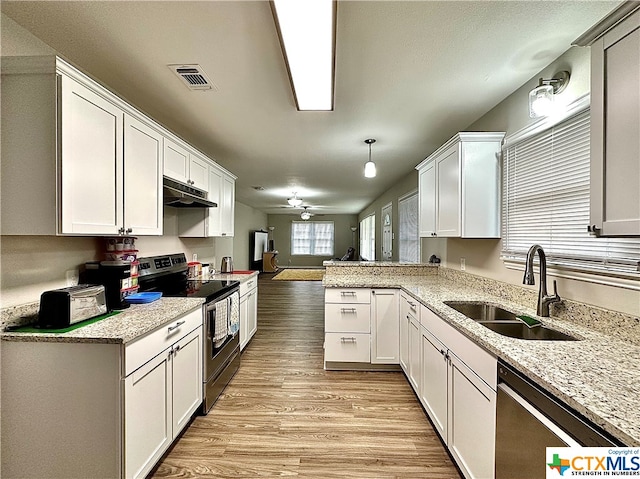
<point>404,334</point>
<point>384,327</point>
<point>91,170</point>
<point>433,388</point>
<point>427,200</point>
<point>615,138</point>
<point>147,405</point>
<point>198,172</point>
<point>176,161</point>
<point>186,367</point>
<point>142,178</point>
<point>214,215</point>
<point>472,420</point>
<point>244,321</point>
<point>415,366</point>
<point>252,309</point>
<point>448,187</point>
<point>228,201</point>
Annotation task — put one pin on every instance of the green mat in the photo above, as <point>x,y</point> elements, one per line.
<point>30,328</point>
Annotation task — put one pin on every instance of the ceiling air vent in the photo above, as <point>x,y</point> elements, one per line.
<point>193,77</point>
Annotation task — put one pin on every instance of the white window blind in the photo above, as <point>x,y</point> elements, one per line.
<point>409,250</point>
<point>546,202</point>
<point>368,238</point>
<point>312,238</point>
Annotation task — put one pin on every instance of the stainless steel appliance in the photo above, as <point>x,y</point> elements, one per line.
<point>61,308</point>
<point>179,195</point>
<point>227,265</point>
<point>528,420</point>
<point>168,274</point>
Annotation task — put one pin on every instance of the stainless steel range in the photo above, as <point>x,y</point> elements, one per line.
<point>168,274</point>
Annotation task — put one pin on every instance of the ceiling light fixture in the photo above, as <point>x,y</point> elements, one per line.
<point>541,98</point>
<point>305,215</point>
<point>294,201</point>
<point>307,37</point>
<point>370,166</point>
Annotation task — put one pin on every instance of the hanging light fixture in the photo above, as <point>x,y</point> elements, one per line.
<point>541,98</point>
<point>294,201</point>
<point>370,166</point>
<point>305,215</point>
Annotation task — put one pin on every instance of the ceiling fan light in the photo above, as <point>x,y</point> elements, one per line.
<point>305,215</point>
<point>294,200</point>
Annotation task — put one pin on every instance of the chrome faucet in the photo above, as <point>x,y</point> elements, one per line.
<point>544,300</point>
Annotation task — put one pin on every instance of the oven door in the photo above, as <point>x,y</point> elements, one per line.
<point>218,333</point>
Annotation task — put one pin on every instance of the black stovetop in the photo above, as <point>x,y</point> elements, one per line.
<point>168,274</point>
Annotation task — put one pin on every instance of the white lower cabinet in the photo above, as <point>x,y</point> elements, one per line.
<point>109,410</point>
<point>361,326</point>
<point>459,395</point>
<point>248,311</point>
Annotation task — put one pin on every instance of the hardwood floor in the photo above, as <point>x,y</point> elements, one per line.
<point>284,415</point>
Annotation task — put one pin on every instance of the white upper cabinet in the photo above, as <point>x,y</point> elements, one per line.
<point>459,188</point>
<point>184,166</point>
<point>615,126</point>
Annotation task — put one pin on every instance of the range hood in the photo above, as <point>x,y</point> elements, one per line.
<point>179,195</point>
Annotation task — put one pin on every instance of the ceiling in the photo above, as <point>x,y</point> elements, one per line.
<point>409,74</point>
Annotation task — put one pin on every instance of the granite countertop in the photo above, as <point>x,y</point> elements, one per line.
<point>129,324</point>
<point>599,376</point>
<point>243,277</point>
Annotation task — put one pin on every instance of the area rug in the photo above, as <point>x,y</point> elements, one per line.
<point>299,274</point>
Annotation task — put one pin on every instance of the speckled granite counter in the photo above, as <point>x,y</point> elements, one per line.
<point>131,323</point>
<point>235,277</point>
<point>599,375</point>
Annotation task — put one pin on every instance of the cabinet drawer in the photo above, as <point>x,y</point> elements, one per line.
<point>143,349</point>
<point>347,295</point>
<point>354,318</point>
<point>248,285</point>
<point>482,363</point>
<point>347,347</point>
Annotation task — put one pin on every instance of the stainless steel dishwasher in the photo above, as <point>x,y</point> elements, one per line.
<point>528,420</point>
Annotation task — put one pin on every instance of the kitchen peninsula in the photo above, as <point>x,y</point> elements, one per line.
<point>596,375</point>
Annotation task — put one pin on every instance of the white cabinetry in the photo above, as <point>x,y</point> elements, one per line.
<point>361,326</point>
<point>113,411</point>
<point>94,161</point>
<point>248,311</point>
<point>184,166</point>
<point>410,339</point>
<point>458,392</point>
<point>347,325</point>
<point>207,222</point>
<point>615,123</point>
<point>459,188</point>
<point>385,344</point>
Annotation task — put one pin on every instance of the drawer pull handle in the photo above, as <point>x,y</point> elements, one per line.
<point>347,340</point>
<point>177,325</point>
<point>348,310</point>
<point>348,293</point>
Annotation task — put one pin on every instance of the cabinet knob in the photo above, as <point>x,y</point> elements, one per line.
<point>129,231</point>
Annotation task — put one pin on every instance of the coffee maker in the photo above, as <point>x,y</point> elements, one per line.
<point>115,276</point>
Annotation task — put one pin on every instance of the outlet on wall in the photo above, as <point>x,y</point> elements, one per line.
<point>463,264</point>
<point>72,276</point>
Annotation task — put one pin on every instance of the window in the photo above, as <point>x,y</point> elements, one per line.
<point>408,229</point>
<point>546,202</point>
<point>368,238</point>
<point>312,238</point>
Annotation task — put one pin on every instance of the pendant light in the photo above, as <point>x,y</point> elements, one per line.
<point>369,166</point>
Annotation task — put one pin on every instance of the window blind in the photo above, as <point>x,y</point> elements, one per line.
<point>368,238</point>
<point>546,202</point>
<point>409,249</point>
<point>312,238</point>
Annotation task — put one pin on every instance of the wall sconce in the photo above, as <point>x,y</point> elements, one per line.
<point>305,215</point>
<point>541,98</point>
<point>294,201</point>
<point>370,166</point>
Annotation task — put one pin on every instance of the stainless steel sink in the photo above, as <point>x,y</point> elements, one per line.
<point>481,311</point>
<point>523,331</point>
<point>507,323</point>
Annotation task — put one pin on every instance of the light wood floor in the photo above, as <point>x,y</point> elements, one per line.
<point>283,415</point>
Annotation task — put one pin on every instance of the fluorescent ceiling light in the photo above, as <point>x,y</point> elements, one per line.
<point>307,37</point>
